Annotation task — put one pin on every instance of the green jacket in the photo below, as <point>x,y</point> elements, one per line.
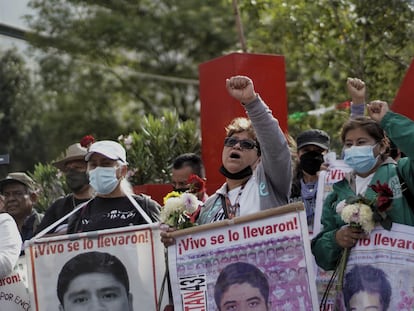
<point>401,131</point>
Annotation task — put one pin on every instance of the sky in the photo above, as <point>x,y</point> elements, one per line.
<point>11,13</point>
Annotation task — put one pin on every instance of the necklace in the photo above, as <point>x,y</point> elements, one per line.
<point>232,208</point>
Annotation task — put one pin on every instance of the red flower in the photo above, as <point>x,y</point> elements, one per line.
<point>87,140</point>
<point>194,216</point>
<point>385,196</point>
<point>197,184</point>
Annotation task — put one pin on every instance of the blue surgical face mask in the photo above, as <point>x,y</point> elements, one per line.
<point>360,158</point>
<point>103,179</point>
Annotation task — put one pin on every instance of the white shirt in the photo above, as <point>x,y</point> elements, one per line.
<point>10,244</point>
<point>249,198</point>
<point>361,183</point>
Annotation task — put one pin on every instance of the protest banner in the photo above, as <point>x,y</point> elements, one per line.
<point>276,241</point>
<point>336,172</point>
<point>58,265</point>
<point>14,294</point>
<point>382,265</point>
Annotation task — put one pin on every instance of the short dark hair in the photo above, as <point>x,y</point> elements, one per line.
<point>190,160</point>
<point>239,273</point>
<point>370,279</point>
<point>91,262</point>
<point>370,126</point>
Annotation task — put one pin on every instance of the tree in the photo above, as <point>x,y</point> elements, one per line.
<point>19,115</point>
<point>108,63</point>
<point>326,41</point>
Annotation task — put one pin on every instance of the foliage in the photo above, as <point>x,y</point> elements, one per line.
<point>326,41</point>
<point>19,115</point>
<point>152,148</point>
<point>105,64</point>
<point>51,182</point>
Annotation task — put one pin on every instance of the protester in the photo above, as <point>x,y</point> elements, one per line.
<point>312,145</point>
<point>21,193</point>
<point>73,166</point>
<point>10,244</point>
<point>94,281</point>
<point>114,204</point>
<point>366,151</point>
<point>242,286</point>
<point>256,160</point>
<point>366,288</point>
<point>183,167</point>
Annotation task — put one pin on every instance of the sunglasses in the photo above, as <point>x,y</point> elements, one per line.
<point>243,143</point>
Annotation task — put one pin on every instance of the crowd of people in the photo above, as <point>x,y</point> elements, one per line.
<point>260,173</point>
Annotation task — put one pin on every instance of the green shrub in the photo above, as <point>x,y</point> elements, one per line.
<point>151,150</point>
<point>51,182</point>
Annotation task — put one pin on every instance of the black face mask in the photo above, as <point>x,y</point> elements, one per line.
<point>311,162</point>
<point>239,175</point>
<point>76,180</point>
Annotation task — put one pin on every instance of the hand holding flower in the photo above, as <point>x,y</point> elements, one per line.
<point>347,236</point>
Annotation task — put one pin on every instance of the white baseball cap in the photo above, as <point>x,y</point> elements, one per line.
<point>108,148</point>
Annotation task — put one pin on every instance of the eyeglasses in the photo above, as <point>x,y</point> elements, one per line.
<point>243,143</point>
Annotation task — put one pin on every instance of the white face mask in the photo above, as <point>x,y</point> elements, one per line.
<point>103,179</point>
<point>361,158</point>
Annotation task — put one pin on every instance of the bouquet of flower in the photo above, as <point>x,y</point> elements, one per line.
<point>180,210</point>
<point>358,214</point>
<point>362,213</point>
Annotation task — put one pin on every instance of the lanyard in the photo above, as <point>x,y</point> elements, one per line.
<point>232,209</point>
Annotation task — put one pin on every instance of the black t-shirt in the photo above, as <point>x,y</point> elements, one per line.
<point>107,213</point>
<point>59,208</point>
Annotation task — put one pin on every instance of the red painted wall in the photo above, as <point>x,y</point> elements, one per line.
<point>218,108</point>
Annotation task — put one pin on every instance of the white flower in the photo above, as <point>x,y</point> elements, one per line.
<point>177,209</point>
<point>359,213</point>
<point>190,202</point>
<point>128,142</point>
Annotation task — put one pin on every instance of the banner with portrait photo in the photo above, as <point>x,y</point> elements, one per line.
<point>276,241</point>
<point>336,172</point>
<point>14,293</point>
<point>381,268</point>
<point>69,271</point>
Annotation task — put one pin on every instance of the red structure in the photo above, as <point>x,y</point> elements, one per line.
<point>218,108</point>
<point>405,96</point>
